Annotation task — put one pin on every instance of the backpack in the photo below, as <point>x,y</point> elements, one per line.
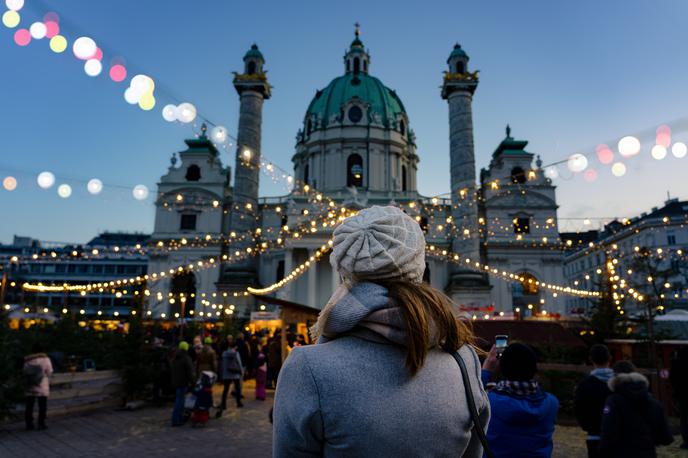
<point>33,375</point>
<point>232,363</point>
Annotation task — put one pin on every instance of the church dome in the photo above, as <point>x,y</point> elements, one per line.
<point>327,105</point>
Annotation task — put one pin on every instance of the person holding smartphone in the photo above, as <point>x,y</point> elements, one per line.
<point>522,414</point>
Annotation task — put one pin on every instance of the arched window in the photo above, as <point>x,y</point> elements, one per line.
<point>521,225</point>
<point>306,171</point>
<point>460,68</point>
<point>193,173</point>
<point>183,290</point>
<point>309,127</point>
<point>357,64</point>
<point>251,68</point>
<point>404,183</point>
<point>280,271</point>
<point>518,175</point>
<point>348,66</point>
<point>402,127</point>
<point>365,65</point>
<point>354,171</point>
<point>355,114</point>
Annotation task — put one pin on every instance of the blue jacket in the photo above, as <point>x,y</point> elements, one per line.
<point>521,426</point>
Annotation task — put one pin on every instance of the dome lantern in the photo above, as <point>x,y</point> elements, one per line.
<point>356,59</point>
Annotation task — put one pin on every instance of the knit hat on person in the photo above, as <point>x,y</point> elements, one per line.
<point>184,346</point>
<point>379,243</point>
<point>208,341</point>
<point>518,362</point>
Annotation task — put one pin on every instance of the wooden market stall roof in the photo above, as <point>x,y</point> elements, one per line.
<point>294,306</point>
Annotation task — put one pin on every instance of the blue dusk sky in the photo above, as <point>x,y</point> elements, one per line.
<point>565,75</point>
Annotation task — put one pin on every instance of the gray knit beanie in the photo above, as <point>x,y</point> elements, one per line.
<point>379,243</point>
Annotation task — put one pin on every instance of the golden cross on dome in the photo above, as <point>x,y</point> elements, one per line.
<point>357,30</point>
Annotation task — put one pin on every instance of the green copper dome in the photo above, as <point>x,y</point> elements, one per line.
<point>368,89</point>
<point>457,52</point>
<point>253,52</point>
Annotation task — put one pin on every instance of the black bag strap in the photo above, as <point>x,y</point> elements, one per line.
<point>477,427</point>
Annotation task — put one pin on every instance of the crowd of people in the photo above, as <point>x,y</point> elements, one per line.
<point>394,373</point>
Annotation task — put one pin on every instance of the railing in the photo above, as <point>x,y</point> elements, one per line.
<point>72,392</point>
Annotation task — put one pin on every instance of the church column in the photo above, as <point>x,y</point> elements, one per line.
<point>253,88</point>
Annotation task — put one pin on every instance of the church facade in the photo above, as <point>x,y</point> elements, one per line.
<point>357,149</point>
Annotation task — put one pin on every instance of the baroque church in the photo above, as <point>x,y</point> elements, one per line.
<point>357,148</point>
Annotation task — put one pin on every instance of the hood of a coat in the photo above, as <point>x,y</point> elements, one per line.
<point>33,356</point>
<point>526,410</point>
<point>633,386</point>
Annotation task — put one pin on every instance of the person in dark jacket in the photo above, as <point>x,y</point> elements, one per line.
<point>244,352</point>
<point>679,382</point>
<point>182,379</point>
<point>274,360</point>
<point>633,422</point>
<point>591,394</point>
<point>523,415</point>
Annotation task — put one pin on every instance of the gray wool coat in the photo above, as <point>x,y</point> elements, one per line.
<point>353,396</point>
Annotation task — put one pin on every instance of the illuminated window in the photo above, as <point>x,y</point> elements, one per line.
<point>521,225</point>
<point>354,171</point>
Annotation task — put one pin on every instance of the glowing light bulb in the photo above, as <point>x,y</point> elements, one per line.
<point>84,48</point>
<point>14,5</point>
<point>147,101</point>
<point>169,113</point>
<point>619,169</point>
<point>93,67</point>
<point>140,192</point>
<point>577,162</point>
<point>58,44</point>
<point>9,183</point>
<point>45,180</point>
<point>64,191</point>
<point>629,146</point>
<point>658,152</point>
<point>11,19</point>
<point>22,37</point>
<point>186,112</point>
<point>38,30</point>
<point>118,73</point>
<point>94,186</point>
<point>679,150</point>
<point>551,172</point>
<point>218,134</point>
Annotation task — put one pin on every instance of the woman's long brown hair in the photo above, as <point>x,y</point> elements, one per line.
<point>425,306</point>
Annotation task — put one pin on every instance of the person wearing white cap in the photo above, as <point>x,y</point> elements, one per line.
<point>383,378</point>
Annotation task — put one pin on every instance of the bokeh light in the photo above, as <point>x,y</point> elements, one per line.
<point>93,67</point>
<point>11,19</point>
<point>22,37</point>
<point>52,28</point>
<point>51,17</point>
<point>38,30</point>
<point>604,154</point>
<point>14,5</point>
<point>577,162</point>
<point>140,192</point>
<point>94,186</point>
<point>45,180</point>
<point>169,113</point>
<point>84,48</point>
<point>551,172</point>
<point>130,96</point>
<point>629,146</point>
<point>64,191</point>
<point>658,152</point>
<point>186,112</point>
<point>619,169</point>
<point>9,183</point>
<point>590,175</point>
<point>98,55</point>
<point>147,101</point>
<point>58,43</point>
<point>679,149</point>
<point>118,73</point>
<point>663,137</point>
<point>218,134</point>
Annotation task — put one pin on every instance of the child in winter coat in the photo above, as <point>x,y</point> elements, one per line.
<point>37,371</point>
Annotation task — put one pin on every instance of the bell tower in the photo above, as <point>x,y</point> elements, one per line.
<point>357,59</point>
<point>467,287</point>
<point>253,88</point>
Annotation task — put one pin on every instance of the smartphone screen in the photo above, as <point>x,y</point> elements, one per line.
<point>501,341</point>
